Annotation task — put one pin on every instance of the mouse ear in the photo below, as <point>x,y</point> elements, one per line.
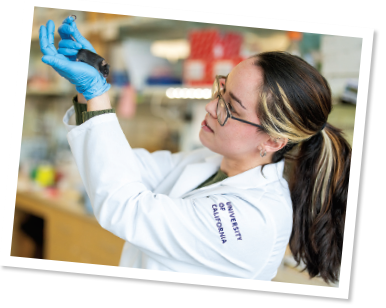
<point>104,62</point>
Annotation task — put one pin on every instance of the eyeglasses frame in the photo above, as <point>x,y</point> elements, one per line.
<point>229,114</point>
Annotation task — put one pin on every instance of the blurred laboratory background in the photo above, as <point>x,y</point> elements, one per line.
<point>161,72</point>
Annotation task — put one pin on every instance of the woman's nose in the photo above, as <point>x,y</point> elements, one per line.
<point>211,108</point>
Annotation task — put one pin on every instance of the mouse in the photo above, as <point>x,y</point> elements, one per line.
<point>91,58</point>
<point>94,60</point>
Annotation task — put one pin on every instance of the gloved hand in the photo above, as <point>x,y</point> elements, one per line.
<point>87,79</point>
<point>69,47</point>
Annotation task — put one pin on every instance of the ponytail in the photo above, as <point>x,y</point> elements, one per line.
<point>319,186</point>
<point>295,102</point>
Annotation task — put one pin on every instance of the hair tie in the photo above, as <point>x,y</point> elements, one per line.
<point>323,126</point>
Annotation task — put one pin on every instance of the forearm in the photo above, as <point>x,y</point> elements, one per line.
<point>101,102</point>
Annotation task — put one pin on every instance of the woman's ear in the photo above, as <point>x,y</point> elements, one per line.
<point>275,144</point>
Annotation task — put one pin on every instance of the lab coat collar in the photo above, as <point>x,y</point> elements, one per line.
<point>256,177</point>
<point>250,179</point>
<point>195,174</point>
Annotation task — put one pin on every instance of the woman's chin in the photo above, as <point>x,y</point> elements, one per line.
<point>205,142</point>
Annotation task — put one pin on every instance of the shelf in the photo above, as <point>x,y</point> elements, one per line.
<point>51,92</point>
<point>109,30</point>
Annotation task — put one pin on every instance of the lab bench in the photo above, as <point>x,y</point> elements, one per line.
<point>69,233</point>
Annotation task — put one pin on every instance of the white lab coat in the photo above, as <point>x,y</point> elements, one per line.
<point>238,227</point>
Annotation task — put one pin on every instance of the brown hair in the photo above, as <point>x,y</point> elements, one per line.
<point>295,103</point>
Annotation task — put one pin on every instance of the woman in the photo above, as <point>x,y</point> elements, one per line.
<point>224,210</point>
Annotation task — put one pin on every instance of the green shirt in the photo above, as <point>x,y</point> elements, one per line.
<point>82,115</point>
<point>217,177</point>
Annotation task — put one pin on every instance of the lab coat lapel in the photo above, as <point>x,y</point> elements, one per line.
<point>256,177</point>
<point>194,174</point>
<point>250,179</point>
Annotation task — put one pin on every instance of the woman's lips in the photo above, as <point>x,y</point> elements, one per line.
<point>205,127</point>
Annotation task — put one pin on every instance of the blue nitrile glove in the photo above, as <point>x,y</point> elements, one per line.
<point>87,79</point>
<point>69,47</point>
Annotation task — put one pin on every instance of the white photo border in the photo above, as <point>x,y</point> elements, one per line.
<point>195,16</point>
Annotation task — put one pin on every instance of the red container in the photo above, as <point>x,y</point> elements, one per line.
<point>232,45</point>
<point>212,44</point>
<point>202,43</point>
<point>211,53</point>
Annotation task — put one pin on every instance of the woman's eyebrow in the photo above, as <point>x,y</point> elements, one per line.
<point>236,99</point>
<point>233,96</point>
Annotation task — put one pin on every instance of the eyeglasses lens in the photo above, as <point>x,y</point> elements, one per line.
<point>221,112</point>
<point>221,108</point>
